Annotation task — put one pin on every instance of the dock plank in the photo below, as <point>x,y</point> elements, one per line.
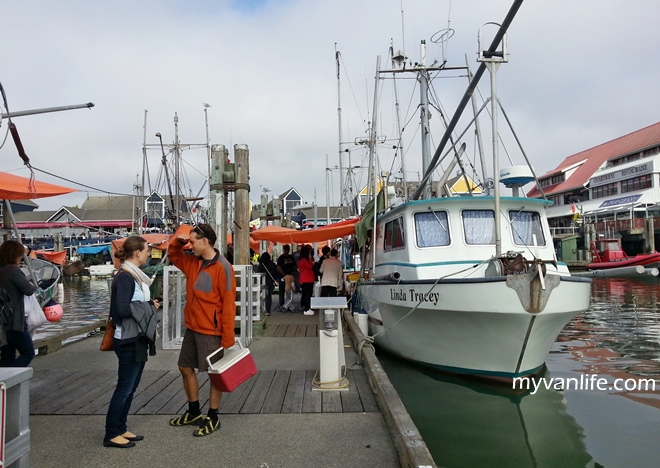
<point>280,331</point>
<point>312,330</point>
<point>257,396</point>
<point>275,396</point>
<point>233,402</point>
<point>350,400</point>
<point>301,330</point>
<point>148,378</point>
<point>61,395</point>
<point>293,399</point>
<point>311,399</point>
<point>331,402</point>
<point>177,401</point>
<point>290,331</point>
<point>56,380</point>
<point>364,389</point>
<point>156,395</point>
<point>269,331</point>
<point>101,384</point>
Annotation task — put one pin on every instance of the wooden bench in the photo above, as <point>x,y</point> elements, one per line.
<point>53,343</point>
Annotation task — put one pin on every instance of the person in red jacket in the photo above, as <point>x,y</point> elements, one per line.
<point>307,278</point>
<point>209,317</point>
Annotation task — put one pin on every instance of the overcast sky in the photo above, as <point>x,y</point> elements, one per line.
<point>580,73</point>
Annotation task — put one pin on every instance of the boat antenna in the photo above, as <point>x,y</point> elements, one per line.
<point>466,98</point>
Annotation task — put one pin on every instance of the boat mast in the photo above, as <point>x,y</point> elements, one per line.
<point>398,61</point>
<point>341,166</point>
<point>493,60</point>
<point>466,97</point>
<point>372,164</point>
<point>177,187</point>
<point>145,169</point>
<point>423,78</point>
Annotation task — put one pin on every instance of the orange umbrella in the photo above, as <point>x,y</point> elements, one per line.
<point>13,187</point>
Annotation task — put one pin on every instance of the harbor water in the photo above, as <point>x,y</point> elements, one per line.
<point>467,423</point>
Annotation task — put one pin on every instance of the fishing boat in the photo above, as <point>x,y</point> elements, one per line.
<point>466,284</point>
<point>608,254</point>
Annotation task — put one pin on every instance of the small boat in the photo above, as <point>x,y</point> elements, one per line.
<point>607,253</point>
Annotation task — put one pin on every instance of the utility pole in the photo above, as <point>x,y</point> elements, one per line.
<point>177,186</point>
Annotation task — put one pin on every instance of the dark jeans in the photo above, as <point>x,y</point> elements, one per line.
<point>269,298</point>
<point>128,378</point>
<point>328,291</point>
<point>306,297</point>
<point>20,341</point>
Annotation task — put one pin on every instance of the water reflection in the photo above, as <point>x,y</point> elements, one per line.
<point>469,423</point>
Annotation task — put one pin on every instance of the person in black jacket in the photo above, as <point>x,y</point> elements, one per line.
<point>266,265</point>
<point>16,286</point>
<point>130,284</point>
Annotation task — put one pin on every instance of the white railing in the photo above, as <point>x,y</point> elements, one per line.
<point>249,304</point>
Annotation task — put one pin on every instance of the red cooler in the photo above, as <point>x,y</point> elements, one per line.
<point>234,368</point>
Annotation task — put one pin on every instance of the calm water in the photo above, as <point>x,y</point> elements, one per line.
<point>85,301</point>
<point>469,424</point>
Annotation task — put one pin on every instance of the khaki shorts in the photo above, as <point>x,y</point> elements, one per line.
<point>196,347</point>
<point>288,282</point>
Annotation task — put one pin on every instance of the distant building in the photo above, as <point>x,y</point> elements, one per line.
<point>617,180</point>
<point>289,199</point>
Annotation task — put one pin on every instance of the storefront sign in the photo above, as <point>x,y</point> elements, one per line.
<point>622,174</point>
<point>620,201</point>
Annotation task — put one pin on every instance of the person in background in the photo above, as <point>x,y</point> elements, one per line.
<point>332,275</point>
<point>14,286</point>
<point>325,253</point>
<point>209,317</point>
<point>129,285</point>
<point>296,272</point>
<point>286,266</point>
<point>307,278</point>
<point>266,265</point>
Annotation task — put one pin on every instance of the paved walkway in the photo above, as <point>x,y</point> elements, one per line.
<point>265,439</point>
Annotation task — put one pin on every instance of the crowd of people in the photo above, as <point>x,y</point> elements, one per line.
<point>298,273</point>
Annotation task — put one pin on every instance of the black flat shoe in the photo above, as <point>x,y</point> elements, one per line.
<point>109,443</point>
<point>137,438</point>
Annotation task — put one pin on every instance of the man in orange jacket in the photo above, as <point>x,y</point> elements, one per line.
<point>209,316</point>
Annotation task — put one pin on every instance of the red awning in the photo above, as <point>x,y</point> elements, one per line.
<point>293,236</point>
<point>13,187</point>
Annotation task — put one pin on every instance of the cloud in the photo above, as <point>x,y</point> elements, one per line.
<point>579,74</point>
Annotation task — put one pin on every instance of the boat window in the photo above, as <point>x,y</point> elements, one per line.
<point>394,234</point>
<point>479,226</point>
<point>524,225</point>
<point>432,229</point>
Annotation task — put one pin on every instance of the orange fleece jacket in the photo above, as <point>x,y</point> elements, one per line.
<point>210,294</point>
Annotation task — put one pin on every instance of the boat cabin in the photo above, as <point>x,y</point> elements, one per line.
<point>607,250</point>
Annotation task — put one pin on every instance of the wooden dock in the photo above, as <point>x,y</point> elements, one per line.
<point>63,392</point>
<point>69,392</point>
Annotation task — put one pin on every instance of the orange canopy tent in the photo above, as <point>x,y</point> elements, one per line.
<point>293,236</point>
<point>53,257</point>
<point>13,187</point>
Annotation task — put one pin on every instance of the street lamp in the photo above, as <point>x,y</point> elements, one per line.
<point>305,207</point>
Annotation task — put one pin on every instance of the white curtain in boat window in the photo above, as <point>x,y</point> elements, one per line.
<point>479,226</point>
<point>524,225</point>
<point>432,229</point>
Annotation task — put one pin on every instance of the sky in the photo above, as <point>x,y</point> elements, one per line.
<point>580,73</point>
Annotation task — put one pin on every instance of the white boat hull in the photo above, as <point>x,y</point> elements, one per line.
<point>473,327</point>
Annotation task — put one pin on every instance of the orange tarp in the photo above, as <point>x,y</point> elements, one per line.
<point>54,257</point>
<point>13,187</point>
<point>293,236</point>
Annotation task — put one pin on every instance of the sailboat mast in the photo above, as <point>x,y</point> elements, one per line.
<point>424,114</point>
<point>341,166</point>
<point>177,187</point>
<point>401,57</point>
<point>372,163</point>
<point>145,168</point>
